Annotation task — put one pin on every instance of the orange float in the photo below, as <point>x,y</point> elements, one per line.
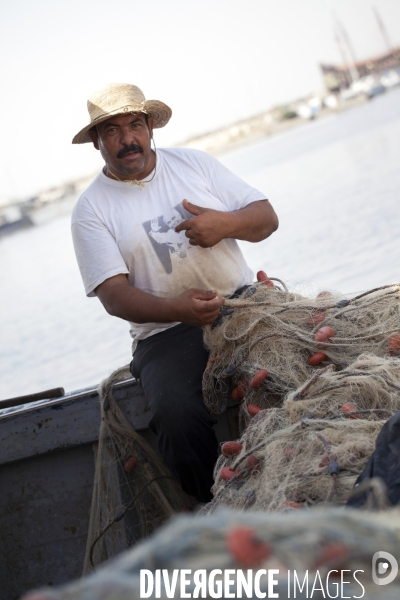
<point>394,344</point>
<point>239,392</point>
<point>291,504</point>
<point>324,333</point>
<point>324,295</point>
<point>130,464</point>
<point>231,448</point>
<point>252,462</point>
<point>258,378</point>
<point>253,409</point>
<point>226,473</point>
<point>243,545</point>
<point>316,319</point>
<point>316,359</point>
<point>349,408</point>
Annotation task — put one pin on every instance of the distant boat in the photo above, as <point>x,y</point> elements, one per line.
<point>390,79</point>
<point>47,211</point>
<point>12,219</point>
<point>369,87</point>
<point>373,87</point>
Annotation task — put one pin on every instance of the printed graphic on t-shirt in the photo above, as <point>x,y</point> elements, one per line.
<point>170,247</point>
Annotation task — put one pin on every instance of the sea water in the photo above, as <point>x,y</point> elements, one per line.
<point>335,185</point>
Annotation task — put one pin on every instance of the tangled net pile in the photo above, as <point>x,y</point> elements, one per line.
<point>323,418</point>
<point>320,541</point>
<point>307,448</point>
<point>134,492</point>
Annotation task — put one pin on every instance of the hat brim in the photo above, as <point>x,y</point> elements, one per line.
<point>160,112</point>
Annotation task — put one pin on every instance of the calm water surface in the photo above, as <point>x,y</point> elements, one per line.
<point>335,184</point>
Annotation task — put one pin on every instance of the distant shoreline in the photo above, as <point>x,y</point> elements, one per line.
<point>257,128</point>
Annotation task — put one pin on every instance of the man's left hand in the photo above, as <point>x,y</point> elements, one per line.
<point>206,228</point>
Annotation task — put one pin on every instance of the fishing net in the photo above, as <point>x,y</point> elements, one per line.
<point>318,541</point>
<point>322,421</point>
<point>134,492</point>
<point>307,448</point>
<point>313,448</point>
<point>274,329</point>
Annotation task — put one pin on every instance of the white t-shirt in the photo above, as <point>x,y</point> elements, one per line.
<point>120,228</point>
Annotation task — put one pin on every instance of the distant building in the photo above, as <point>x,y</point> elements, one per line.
<point>338,77</point>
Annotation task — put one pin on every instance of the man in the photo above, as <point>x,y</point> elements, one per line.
<point>155,239</point>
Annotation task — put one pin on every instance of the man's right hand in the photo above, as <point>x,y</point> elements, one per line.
<point>194,306</point>
<point>197,307</point>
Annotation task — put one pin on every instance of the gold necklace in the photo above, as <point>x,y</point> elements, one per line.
<point>133,182</point>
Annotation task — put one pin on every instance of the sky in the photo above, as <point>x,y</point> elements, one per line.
<point>212,61</point>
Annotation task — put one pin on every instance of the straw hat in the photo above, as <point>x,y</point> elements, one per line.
<point>120,98</point>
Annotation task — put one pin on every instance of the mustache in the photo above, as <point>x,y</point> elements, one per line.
<point>131,148</point>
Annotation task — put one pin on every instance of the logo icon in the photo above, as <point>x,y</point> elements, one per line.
<point>381,561</point>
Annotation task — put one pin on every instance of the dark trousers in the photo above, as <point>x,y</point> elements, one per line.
<point>170,366</point>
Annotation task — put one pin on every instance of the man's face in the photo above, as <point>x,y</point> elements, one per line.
<point>124,143</point>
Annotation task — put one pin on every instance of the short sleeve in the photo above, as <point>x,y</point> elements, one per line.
<point>95,247</point>
<point>228,187</point>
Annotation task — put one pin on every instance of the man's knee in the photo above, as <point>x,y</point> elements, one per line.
<point>179,415</point>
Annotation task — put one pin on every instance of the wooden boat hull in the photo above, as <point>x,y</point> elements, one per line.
<point>47,452</point>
